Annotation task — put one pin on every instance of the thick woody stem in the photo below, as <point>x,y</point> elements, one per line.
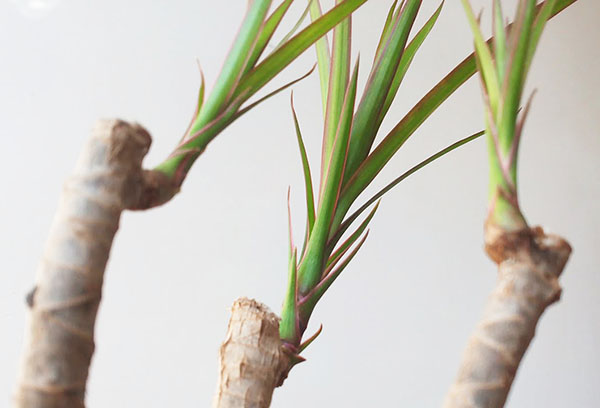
<point>252,360</point>
<point>63,304</point>
<point>529,263</point>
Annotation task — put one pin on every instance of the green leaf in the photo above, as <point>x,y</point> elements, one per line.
<point>279,59</point>
<point>294,28</point>
<point>266,33</point>
<point>273,93</point>
<point>486,61</point>
<point>288,326</point>
<point>235,62</point>
<point>499,39</point>
<point>387,30</point>
<point>406,60</point>
<point>371,166</point>
<point>313,261</point>
<point>323,56</point>
<point>308,341</point>
<point>538,28</point>
<point>308,303</point>
<point>377,88</point>
<point>338,83</point>
<point>515,76</point>
<point>351,239</point>
<point>344,226</point>
<point>310,201</point>
<point>181,159</point>
<point>199,102</point>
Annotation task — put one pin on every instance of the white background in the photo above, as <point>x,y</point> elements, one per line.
<point>396,322</point>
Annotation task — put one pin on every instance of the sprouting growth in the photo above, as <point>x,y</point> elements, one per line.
<point>349,162</point>
<point>504,64</point>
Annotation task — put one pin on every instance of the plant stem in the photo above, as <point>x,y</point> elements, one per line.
<point>529,265</point>
<point>252,360</point>
<point>63,305</point>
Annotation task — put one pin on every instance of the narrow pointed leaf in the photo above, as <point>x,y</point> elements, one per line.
<point>538,28</point>
<point>266,33</point>
<point>199,102</point>
<point>385,34</point>
<point>309,341</point>
<point>313,260</point>
<point>407,58</point>
<point>308,303</point>
<point>181,159</point>
<point>279,59</point>
<point>344,226</point>
<point>273,93</point>
<point>377,88</point>
<point>499,40</point>
<point>515,76</point>
<point>235,62</point>
<point>288,326</point>
<point>310,201</point>
<point>338,83</point>
<point>351,239</point>
<point>323,56</point>
<point>488,68</point>
<point>294,28</point>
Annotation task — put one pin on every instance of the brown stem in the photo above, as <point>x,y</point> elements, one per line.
<point>529,265</point>
<point>62,307</point>
<point>252,360</point>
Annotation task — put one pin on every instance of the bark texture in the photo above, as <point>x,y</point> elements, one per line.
<point>63,304</point>
<point>252,360</point>
<point>529,265</point>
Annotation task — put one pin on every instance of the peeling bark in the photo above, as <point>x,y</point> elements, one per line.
<point>62,307</point>
<point>529,265</point>
<point>252,360</point>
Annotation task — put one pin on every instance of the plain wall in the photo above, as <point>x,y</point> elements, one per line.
<point>396,322</point>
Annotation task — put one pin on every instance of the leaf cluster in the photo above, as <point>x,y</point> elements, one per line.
<point>350,161</point>
<point>504,64</point>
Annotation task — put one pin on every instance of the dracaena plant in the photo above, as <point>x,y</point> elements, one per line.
<point>349,160</point>
<point>109,179</point>
<point>529,260</point>
<point>245,71</point>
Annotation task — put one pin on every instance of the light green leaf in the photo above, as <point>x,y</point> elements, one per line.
<point>266,33</point>
<point>308,303</point>
<point>538,28</point>
<point>499,40</point>
<point>338,83</point>
<point>288,326</point>
<point>385,34</point>
<point>365,127</point>
<point>310,201</point>
<point>351,239</point>
<point>294,28</point>
<point>406,60</point>
<point>484,55</point>
<point>344,226</point>
<point>313,261</point>
<point>278,60</point>
<point>515,76</point>
<point>235,62</point>
<point>323,56</point>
